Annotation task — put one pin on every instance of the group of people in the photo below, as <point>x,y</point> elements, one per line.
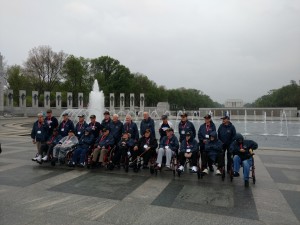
<point>123,141</point>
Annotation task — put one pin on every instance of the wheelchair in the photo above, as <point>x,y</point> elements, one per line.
<point>173,164</point>
<point>187,165</point>
<point>211,162</point>
<point>107,159</point>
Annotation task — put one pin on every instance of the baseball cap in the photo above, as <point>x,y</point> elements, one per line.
<point>207,116</point>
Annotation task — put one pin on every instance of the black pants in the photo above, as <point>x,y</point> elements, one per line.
<point>206,160</point>
<point>226,148</point>
<point>182,158</point>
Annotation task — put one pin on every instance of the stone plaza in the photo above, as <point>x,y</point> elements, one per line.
<point>40,194</point>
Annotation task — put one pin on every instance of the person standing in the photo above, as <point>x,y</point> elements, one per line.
<point>163,126</point>
<point>65,126</point>
<point>39,135</point>
<point>186,126</point>
<point>204,134</point>
<point>131,128</point>
<point>226,134</point>
<point>80,126</point>
<point>147,123</point>
<point>51,121</point>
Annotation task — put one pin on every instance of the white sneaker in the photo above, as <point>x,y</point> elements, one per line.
<point>194,169</point>
<point>218,172</point>
<point>35,158</point>
<point>45,158</point>
<point>205,171</point>
<point>39,158</point>
<point>181,168</point>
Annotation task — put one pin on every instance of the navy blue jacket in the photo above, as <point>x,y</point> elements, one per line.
<point>226,133</point>
<point>64,127</point>
<point>116,129</point>
<point>52,123</point>
<point>132,129</point>
<point>80,128</point>
<point>151,142</point>
<point>39,132</point>
<point>213,148</point>
<point>105,141</point>
<point>85,141</point>
<point>96,127</point>
<point>192,145</point>
<point>106,123</point>
<point>204,132</point>
<point>147,124</point>
<point>172,143</point>
<point>183,128</point>
<point>247,145</point>
<point>126,144</point>
<point>54,139</point>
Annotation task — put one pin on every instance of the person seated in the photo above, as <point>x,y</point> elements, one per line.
<point>213,153</point>
<point>168,146</point>
<point>125,149</point>
<point>103,145</point>
<point>64,145</point>
<point>146,147</point>
<point>49,145</point>
<point>189,149</point>
<point>83,146</point>
<point>242,151</point>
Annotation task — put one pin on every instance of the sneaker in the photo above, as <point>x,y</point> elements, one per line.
<point>45,158</point>
<point>158,166</point>
<point>39,159</point>
<point>181,168</point>
<point>194,169</point>
<point>205,171</point>
<point>81,165</point>
<point>236,174</point>
<point>218,172</point>
<point>71,164</point>
<point>167,168</point>
<point>35,158</point>
<point>246,183</point>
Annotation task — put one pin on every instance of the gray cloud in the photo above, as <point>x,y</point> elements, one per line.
<point>227,49</point>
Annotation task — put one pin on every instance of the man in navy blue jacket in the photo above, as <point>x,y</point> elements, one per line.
<point>65,126</point>
<point>243,152</point>
<point>39,135</point>
<point>147,123</point>
<point>185,126</point>
<point>226,134</point>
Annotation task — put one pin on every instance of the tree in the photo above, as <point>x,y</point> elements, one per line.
<point>76,76</point>
<point>46,66</point>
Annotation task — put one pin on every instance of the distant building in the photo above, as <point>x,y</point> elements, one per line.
<point>234,103</point>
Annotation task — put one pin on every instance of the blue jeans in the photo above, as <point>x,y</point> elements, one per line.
<point>79,153</point>
<point>247,163</point>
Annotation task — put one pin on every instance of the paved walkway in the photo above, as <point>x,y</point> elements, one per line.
<point>40,194</point>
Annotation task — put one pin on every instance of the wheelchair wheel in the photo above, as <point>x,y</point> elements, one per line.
<point>178,173</point>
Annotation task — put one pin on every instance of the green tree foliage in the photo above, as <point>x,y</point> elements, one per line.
<point>76,76</point>
<point>286,96</point>
<point>17,81</point>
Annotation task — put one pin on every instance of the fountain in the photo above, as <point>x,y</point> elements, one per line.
<point>265,124</point>
<point>245,124</point>
<point>95,106</point>
<point>254,113</point>
<point>282,118</point>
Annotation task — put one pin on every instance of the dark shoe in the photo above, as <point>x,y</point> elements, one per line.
<point>145,166</point>
<point>236,174</point>
<point>246,183</point>
<point>71,164</point>
<point>211,169</point>
<point>53,161</point>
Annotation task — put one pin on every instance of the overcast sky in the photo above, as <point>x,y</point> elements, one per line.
<point>225,48</point>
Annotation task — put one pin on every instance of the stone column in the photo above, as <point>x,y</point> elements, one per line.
<point>35,99</point>
<point>69,100</point>
<point>142,102</point>
<point>22,98</point>
<point>47,100</point>
<point>1,84</point>
<point>111,102</point>
<point>58,100</point>
<point>80,100</point>
<point>122,101</point>
<point>131,101</point>
<point>10,98</point>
